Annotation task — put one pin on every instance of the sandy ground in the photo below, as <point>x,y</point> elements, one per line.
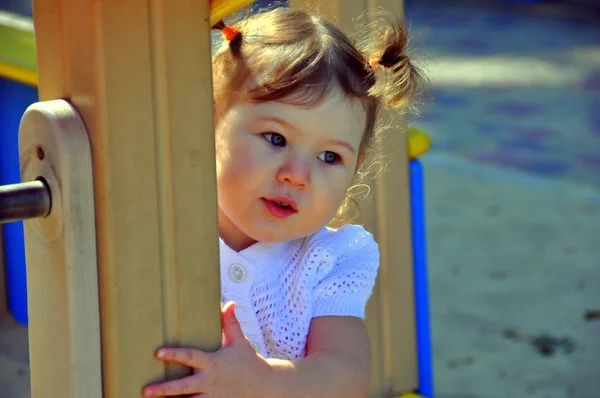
<point>511,258</point>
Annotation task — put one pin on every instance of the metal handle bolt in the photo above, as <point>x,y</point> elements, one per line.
<point>24,201</point>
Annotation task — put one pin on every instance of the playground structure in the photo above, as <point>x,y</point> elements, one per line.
<point>124,146</point>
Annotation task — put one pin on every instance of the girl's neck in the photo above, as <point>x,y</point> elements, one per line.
<point>231,235</point>
<point>235,243</point>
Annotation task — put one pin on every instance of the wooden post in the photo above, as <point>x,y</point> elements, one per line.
<point>391,310</point>
<point>139,75</point>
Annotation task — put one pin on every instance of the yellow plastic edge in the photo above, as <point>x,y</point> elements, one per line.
<point>17,48</point>
<point>18,74</point>
<point>418,142</point>
<point>220,9</point>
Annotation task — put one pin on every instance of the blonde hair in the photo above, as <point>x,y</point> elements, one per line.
<point>294,56</point>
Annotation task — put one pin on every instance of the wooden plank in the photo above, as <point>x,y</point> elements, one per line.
<point>3,285</point>
<point>390,312</point>
<point>395,232</point>
<point>396,277</point>
<point>374,315</point>
<point>150,121</point>
<point>62,274</point>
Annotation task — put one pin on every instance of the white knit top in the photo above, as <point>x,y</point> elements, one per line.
<point>280,287</point>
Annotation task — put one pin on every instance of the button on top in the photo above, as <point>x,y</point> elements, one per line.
<point>237,273</point>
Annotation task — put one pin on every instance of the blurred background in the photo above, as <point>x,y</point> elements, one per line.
<point>513,195</point>
<point>512,191</point>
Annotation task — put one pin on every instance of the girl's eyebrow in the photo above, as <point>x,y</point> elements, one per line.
<point>343,143</point>
<point>278,120</point>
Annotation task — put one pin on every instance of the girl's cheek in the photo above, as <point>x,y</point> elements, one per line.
<point>333,184</point>
<point>250,158</point>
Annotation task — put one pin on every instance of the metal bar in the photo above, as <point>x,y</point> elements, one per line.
<point>424,349</point>
<point>24,201</point>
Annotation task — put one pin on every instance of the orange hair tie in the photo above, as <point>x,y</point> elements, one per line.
<point>230,32</point>
<point>374,63</point>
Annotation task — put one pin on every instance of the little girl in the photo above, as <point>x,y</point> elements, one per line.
<point>296,109</point>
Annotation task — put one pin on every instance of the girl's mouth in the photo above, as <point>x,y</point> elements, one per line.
<point>280,207</point>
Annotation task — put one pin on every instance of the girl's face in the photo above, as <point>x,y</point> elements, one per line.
<point>283,170</point>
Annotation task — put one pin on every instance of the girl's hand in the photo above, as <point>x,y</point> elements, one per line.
<point>235,370</point>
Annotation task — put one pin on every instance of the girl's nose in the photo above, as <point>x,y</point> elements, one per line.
<point>295,172</point>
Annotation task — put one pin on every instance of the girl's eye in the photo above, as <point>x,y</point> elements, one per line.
<point>329,157</point>
<point>275,139</point>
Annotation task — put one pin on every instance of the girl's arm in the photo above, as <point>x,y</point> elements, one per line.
<point>337,363</point>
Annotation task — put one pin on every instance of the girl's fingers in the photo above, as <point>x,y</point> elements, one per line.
<point>185,385</point>
<point>189,357</point>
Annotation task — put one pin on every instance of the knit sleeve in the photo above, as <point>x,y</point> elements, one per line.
<point>346,287</point>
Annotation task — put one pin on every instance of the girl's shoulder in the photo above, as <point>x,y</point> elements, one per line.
<point>350,239</point>
<point>344,234</point>
<point>347,261</point>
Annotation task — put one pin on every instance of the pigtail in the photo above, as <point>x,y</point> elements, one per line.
<point>231,35</point>
<point>397,79</point>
